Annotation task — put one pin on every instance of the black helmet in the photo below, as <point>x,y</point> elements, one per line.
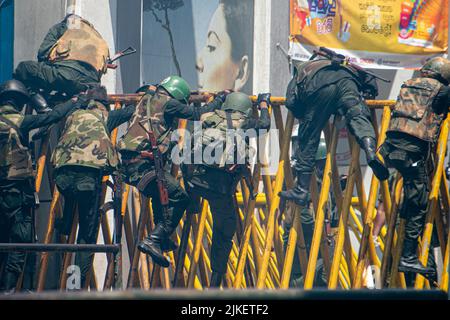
<point>15,90</point>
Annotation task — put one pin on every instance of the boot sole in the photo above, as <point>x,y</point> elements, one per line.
<point>156,259</point>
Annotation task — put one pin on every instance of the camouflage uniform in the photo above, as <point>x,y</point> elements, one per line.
<point>85,154</point>
<point>217,185</point>
<point>71,56</point>
<point>17,183</point>
<point>416,119</point>
<point>165,112</point>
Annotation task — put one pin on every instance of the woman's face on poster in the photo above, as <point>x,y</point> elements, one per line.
<point>216,69</point>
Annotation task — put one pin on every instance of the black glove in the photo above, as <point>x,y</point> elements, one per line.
<point>96,92</point>
<point>447,172</point>
<point>263,97</point>
<point>222,95</point>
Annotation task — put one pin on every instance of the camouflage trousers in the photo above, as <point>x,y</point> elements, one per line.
<point>81,188</point>
<point>58,77</point>
<point>16,226</point>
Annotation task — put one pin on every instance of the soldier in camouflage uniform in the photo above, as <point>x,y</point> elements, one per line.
<point>421,107</point>
<point>319,89</point>
<point>168,103</point>
<point>84,154</point>
<point>217,182</point>
<point>72,56</point>
<point>16,173</point>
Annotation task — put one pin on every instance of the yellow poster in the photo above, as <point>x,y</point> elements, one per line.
<point>374,33</point>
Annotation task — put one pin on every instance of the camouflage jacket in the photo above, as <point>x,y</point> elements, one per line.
<point>135,139</point>
<point>81,42</point>
<point>15,159</point>
<point>413,113</point>
<point>85,140</point>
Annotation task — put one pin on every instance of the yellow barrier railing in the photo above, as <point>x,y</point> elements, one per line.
<point>258,257</point>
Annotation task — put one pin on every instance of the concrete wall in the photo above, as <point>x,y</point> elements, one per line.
<point>32,21</point>
<point>129,26</point>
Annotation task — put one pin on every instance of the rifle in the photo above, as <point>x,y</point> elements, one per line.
<point>342,60</point>
<point>128,51</point>
<point>156,156</point>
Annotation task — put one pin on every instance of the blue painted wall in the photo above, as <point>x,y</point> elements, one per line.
<point>6,39</point>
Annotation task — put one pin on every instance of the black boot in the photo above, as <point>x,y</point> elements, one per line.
<point>39,103</point>
<point>9,282</point>
<point>168,245</point>
<point>152,246</point>
<point>409,261</point>
<point>216,280</point>
<point>300,193</point>
<point>378,168</point>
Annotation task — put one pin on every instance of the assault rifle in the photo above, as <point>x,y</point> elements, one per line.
<point>128,51</point>
<point>341,60</point>
<point>157,158</point>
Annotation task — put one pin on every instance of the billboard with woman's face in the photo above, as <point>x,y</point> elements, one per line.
<point>212,40</point>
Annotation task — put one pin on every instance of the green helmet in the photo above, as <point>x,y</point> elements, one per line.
<point>437,66</point>
<point>321,150</point>
<point>238,101</point>
<point>177,87</point>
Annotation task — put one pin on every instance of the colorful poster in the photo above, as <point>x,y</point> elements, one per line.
<point>210,43</point>
<point>374,33</point>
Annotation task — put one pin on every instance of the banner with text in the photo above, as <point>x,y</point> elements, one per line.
<point>385,34</point>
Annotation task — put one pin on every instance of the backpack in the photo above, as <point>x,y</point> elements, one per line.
<point>15,159</point>
<point>222,164</point>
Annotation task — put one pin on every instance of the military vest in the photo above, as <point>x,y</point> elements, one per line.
<point>413,113</point>
<point>85,140</point>
<point>81,42</point>
<point>224,156</point>
<point>136,139</point>
<point>214,138</point>
<point>306,71</point>
<point>15,159</point>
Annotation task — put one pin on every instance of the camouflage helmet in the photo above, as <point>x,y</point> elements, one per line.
<point>177,87</point>
<point>16,90</point>
<point>321,153</point>
<point>437,66</point>
<point>238,101</point>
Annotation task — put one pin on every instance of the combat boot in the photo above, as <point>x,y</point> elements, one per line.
<point>216,280</point>
<point>300,193</point>
<point>168,245</point>
<point>152,246</point>
<point>378,168</point>
<point>39,103</point>
<point>9,282</point>
<point>409,261</point>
